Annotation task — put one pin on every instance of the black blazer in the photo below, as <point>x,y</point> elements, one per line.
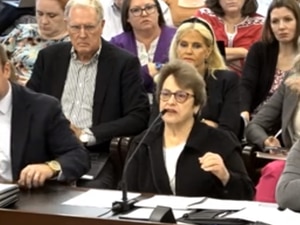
<point>40,132</point>
<point>258,74</point>
<point>147,171</point>
<point>121,106</point>
<point>223,103</point>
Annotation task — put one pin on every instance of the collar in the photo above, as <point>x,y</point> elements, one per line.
<point>94,57</point>
<point>6,102</point>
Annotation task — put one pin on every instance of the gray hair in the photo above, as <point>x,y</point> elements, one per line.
<point>95,4</point>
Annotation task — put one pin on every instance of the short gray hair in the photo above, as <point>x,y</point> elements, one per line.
<point>95,4</point>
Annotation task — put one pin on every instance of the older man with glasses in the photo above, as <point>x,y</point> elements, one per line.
<point>99,86</point>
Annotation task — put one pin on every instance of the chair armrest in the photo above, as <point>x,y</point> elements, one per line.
<point>119,147</point>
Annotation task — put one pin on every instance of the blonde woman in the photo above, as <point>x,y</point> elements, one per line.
<point>195,42</point>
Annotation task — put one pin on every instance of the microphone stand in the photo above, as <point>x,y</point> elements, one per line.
<point>125,205</point>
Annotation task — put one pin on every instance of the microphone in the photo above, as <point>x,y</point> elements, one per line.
<point>125,205</point>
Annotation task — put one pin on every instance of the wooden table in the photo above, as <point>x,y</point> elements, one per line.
<point>43,207</point>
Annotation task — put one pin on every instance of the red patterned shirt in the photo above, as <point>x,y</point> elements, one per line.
<point>246,33</point>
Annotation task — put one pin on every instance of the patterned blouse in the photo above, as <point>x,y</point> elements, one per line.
<point>278,79</point>
<point>23,45</point>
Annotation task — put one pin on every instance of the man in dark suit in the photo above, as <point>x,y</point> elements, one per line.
<point>98,84</point>
<point>36,142</point>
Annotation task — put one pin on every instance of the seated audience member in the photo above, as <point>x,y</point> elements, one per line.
<point>270,59</point>
<point>182,145</point>
<point>146,36</point>
<point>183,9</point>
<point>112,16</point>
<point>98,84</point>
<point>237,24</point>
<point>36,143</point>
<point>282,107</point>
<point>194,42</point>
<point>287,190</point>
<point>24,42</point>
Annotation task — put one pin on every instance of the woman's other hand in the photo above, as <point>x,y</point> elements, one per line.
<point>212,162</point>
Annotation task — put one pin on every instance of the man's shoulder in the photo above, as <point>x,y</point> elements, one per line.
<point>116,52</point>
<point>58,48</point>
<point>33,98</point>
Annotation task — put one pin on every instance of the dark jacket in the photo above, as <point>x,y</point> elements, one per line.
<point>258,74</point>
<point>223,103</point>
<point>147,171</point>
<point>40,133</point>
<point>120,106</point>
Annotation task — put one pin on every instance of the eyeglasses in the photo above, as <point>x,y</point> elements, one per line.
<point>86,28</point>
<point>138,11</point>
<point>180,96</point>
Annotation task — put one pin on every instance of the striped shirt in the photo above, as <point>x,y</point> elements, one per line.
<point>78,95</point>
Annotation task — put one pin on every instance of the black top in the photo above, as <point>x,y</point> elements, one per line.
<point>147,171</point>
<point>223,103</point>
<point>258,74</point>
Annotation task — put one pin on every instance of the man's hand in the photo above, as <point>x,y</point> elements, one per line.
<point>213,163</point>
<point>77,131</point>
<point>35,175</point>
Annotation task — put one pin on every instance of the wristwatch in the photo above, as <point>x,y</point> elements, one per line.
<point>158,66</point>
<point>54,166</point>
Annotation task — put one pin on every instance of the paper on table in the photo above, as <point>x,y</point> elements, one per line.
<point>175,202</point>
<point>98,198</point>
<point>144,214</point>
<point>218,204</point>
<point>268,215</point>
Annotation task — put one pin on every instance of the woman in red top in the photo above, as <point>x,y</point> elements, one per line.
<point>236,23</point>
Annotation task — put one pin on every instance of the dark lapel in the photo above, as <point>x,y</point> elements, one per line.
<point>104,74</point>
<point>160,176</point>
<point>61,71</point>
<point>19,128</point>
